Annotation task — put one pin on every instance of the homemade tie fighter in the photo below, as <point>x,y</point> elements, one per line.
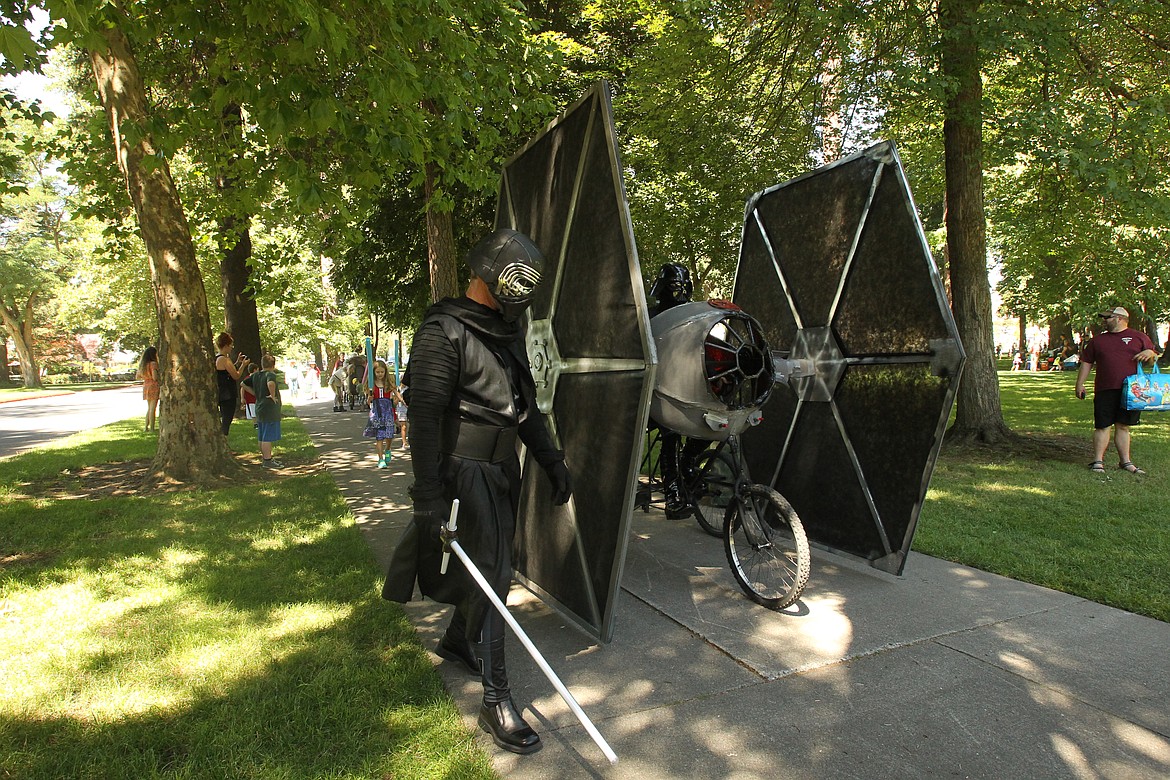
<point>836,295</point>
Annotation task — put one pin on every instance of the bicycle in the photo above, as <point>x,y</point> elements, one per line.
<point>763,538</point>
<point>355,395</point>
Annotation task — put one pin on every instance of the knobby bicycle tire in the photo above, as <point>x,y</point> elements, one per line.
<point>768,550</point>
<point>713,491</point>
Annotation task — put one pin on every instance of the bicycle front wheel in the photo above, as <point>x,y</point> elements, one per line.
<point>714,491</point>
<point>766,547</point>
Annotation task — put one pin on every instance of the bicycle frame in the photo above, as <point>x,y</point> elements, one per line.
<point>754,529</point>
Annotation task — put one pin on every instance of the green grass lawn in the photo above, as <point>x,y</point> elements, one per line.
<point>1043,517</point>
<point>235,632</point>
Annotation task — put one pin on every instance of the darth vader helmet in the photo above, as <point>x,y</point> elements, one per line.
<point>673,284</point>
<point>511,266</point>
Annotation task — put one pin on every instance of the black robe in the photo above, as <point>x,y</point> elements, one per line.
<point>466,361</point>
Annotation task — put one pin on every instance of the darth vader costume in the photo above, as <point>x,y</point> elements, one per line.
<point>672,288</point>
<point>471,397</point>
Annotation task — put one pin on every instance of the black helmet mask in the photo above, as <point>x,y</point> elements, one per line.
<point>673,284</point>
<point>511,266</point>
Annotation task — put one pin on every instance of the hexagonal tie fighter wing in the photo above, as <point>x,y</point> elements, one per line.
<point>836,268</point>
<point>591,354</point>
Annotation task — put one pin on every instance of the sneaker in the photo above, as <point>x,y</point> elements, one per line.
<point>381,463</point>
<point>272,463</point>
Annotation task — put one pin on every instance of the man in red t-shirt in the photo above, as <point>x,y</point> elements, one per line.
<point>1115,352</point>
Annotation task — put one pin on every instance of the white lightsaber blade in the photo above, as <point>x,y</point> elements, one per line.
<point>523,637</point>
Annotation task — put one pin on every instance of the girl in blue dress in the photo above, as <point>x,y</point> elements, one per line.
<point>382,420</point>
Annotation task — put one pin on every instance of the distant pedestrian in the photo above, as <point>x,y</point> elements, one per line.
<point>227,380</point>
<point>1115,352</point>
<point>381,423</point>
<point>148,373</point>
<point>337,382</point>
<point>313,380</point>
<point>400,410</point>
<point>292,378</point>
<point>268,409</point>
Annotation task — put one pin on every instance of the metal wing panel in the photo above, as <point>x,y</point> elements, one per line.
<point>811,230</point>
<point>889,404</point>
<point>842,248</point>
<point>592,357</point>
<point>889,303</point>
<point>591,290</point>
<point>759,288</point>
<point>566,554</point>
<point>818,477</point>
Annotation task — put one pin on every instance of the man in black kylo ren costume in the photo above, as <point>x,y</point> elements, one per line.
<point>471,396</point>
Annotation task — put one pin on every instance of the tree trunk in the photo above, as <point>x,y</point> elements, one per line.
<point>20,329</point>
<point>978,414</point>
<point>239,305</point>
<point>1059,332</point>
<point>4,362</point>
<point>1023,348</point>
<point>440,243</point>
<point>1150,324</point>
<point>191,448</point>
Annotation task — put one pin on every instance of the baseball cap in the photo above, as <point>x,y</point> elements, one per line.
<point>1120,312</point>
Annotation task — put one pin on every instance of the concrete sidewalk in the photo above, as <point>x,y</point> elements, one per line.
<point>946,671</point>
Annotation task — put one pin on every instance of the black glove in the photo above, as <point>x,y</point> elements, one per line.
<point>558,474</point>
<point>430,514</point>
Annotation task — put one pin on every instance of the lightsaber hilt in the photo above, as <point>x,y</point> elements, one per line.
<point>449,537</point>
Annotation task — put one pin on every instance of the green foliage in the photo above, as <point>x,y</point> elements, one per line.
<point>295,307</point>
<point>300,114</point>
<point>387,268</point>
<point>344,106</point>
<point>1082,199</point>
<point>41,244</point>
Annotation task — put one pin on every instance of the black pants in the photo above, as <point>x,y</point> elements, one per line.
<point>676,455</point>
<point>227,413</point>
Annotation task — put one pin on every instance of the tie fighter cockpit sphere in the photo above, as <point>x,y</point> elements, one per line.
<point>714,369</point>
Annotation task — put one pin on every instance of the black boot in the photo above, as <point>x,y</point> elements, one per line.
<point>676,503</point>
<point>508,728</point>
<point>458,652</point>
<point>454,646</point>
<point>498,715</point>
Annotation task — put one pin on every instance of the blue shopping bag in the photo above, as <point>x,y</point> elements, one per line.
<point>1144,392</point>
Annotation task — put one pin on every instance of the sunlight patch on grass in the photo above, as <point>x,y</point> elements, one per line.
<point>177,559</point>
<point>299,619</point>
<point>288,535</point>
<point>61,635</point>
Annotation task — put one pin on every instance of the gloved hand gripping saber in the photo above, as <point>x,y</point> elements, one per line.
<point>451,544</point>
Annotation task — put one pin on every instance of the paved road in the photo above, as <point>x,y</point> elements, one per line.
<point>36,421</point>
